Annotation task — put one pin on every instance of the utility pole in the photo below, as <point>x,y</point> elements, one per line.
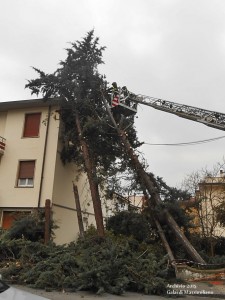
<point>152,190</point>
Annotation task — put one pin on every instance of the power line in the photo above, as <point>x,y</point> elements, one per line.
<point>188,143</point>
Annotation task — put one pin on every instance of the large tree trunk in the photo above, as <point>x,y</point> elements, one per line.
<point>92,178</point>
<point>155,199</point>
<point>152,190</point>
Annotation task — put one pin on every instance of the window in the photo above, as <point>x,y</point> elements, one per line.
<point>26,173</point>
<point>32,125</point>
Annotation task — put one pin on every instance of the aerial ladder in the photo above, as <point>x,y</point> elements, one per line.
<point>125,103</point>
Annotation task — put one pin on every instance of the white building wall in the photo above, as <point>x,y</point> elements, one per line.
<point>49,161</point>
<point>57,183</point>
<point>3,116</point>
<point>19,148</point>
<point>64,207</point>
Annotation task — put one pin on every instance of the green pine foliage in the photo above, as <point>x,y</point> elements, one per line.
<point>79,85</point>
<point>112,264</point>
<point>29,226</point>
<point>133,224</point>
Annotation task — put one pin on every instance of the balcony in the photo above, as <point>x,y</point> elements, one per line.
<point>2,146</point>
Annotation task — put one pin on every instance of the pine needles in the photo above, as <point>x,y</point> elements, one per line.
<point>110,264</point>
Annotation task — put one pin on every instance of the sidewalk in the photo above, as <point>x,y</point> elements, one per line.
<point>190,291</point>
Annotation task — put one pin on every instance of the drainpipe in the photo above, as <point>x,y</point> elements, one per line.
<point>44,157</point>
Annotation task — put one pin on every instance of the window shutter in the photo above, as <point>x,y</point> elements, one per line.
<point>10,216</point>
<point>7,221</point>
<point>26,169</point>
<point>32,124</point>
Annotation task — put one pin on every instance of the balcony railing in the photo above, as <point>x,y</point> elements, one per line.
<point>2,145</point>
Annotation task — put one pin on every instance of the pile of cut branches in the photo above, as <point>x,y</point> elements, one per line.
<point>112,264</point>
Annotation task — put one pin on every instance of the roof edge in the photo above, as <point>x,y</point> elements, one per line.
<point>28,103</point>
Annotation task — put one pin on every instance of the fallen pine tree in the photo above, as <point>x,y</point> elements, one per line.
<point>112,264</point>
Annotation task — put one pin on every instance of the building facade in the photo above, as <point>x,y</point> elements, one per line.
<point>31,170</point>
<point>207,205</point>
<point>210,197</point>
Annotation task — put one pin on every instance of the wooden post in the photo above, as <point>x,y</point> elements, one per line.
<point>78,208</point>
<point>47,221</point>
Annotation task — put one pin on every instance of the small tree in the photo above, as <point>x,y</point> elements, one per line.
<point>130,224</point>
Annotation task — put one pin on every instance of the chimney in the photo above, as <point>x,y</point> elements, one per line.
<point>221,173</point>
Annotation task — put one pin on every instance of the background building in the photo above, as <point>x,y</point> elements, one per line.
<point>211,198</point>
<point>207,206</point>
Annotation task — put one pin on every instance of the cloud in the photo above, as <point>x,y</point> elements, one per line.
<point>168,49</point>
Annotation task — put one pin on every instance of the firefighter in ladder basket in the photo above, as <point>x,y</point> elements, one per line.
<point>114,95</point>
<point>120,100</point>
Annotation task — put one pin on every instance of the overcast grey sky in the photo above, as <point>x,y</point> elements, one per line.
<point>171,49</point>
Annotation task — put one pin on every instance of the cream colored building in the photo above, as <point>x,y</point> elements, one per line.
<point>31,170</point>
<point>211,196</point>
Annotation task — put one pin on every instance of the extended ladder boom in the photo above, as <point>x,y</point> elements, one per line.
<point>207,117</point>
